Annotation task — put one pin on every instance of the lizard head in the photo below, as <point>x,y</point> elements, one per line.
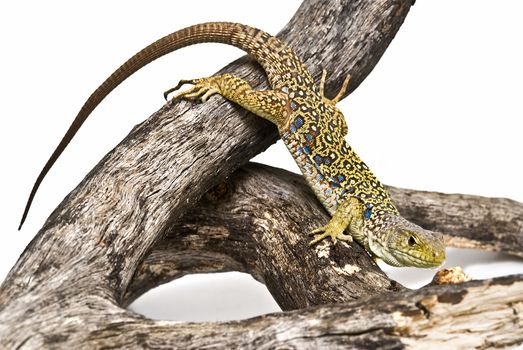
<point>399,242</point>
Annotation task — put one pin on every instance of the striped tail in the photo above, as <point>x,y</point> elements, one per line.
<point>234,34</point>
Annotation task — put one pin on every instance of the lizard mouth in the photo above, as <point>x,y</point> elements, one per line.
<point>416,259</point>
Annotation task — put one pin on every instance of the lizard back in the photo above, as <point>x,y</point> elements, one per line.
<point>315,135</point>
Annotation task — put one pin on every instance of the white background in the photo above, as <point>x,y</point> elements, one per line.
<point>442,111</point>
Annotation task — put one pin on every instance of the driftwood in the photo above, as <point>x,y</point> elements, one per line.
<point>137,221</point>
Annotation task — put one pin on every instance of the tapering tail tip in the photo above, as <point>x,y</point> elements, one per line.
<point>21,222</point>
<point>26,210</point>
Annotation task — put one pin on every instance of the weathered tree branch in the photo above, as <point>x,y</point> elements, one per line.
<point>69,287</point>
<point>265,202</point>
<point>479,314</point>
<point>257,222</point>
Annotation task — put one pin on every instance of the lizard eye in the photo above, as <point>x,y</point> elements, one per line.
<point>412,241</point>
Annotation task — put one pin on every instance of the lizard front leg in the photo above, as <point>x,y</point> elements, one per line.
<point>272,105</point>
<point>347,218</point>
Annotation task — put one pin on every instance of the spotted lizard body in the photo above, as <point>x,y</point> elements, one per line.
<point>312,128</point>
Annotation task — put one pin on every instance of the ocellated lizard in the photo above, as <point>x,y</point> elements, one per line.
<point>311,126</point>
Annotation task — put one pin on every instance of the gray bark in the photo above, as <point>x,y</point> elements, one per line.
<point>70,286</point>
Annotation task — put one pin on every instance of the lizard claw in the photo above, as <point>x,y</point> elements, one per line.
<point>202,89</point>
<point>331,231</point>
<point>178,86</point>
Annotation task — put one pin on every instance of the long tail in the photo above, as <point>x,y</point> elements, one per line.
<point>234,34</point>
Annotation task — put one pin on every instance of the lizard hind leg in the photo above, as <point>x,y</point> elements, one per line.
<point>272,105</point>
<point>341,92</point>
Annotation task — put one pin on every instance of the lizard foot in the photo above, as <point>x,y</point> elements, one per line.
<point>203,88</point>
<point>332,230</point>
<point>347,218</point>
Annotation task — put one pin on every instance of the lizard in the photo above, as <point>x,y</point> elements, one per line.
<point>310,125</point>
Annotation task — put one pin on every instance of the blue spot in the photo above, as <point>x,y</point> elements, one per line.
<point>341,178</point>
<point>328,192</point>
<point>317,159</point>
<point>299,122</point>
<point>294,106</point>
<point>327,161</point>
<point>342,192</point>
<point>299,150</point>
<point>309,137</point>
<point>368,212</point>
<point>293,128</point>
<point>335,185</point>
<point>320,177</point>
<point>307,150</point>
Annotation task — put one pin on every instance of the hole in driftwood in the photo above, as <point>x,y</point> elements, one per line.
<point>207,297</point>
